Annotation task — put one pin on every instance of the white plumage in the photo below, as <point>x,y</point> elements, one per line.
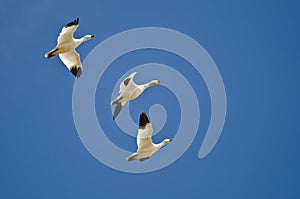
<point>66,45</point>
<point>146,148</point>
<point>129,90</point>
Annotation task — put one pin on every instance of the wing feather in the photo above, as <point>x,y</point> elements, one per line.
<point>144,137</point>
<point>128,83</point>
<point>70,59</point>
<point>67,32</point>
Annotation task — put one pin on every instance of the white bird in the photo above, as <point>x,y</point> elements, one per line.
<point>129,90</point>
<point>66,45</point>
<point>146,148</point>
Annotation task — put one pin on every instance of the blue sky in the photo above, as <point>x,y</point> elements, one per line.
<point>255,46</point>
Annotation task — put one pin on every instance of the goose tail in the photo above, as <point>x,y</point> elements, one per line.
<point>51,53</point>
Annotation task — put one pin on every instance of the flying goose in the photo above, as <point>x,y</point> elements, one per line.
<point>66,45</point>
<point>129,90</point>
<point>146,148</point>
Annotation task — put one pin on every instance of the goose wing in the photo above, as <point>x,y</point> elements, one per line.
<point>118,109</point>
<point>144,137</point>
<point>127,87</point>
<point>67,31</point>
<point>71,59</point>
<point>128,83</point>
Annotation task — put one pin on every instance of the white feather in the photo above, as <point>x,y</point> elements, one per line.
<point>70,59</point>
<point>66,45</point>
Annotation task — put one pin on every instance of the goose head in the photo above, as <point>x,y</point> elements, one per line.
<point>166,141</point>
<point>163,143</point>
<point>88,37</point>
<point>153,82</point>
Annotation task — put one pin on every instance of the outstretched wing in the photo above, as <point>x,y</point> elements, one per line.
<point>71,59</point>
<point>67,32</point>
<point>118,109</point>
<point>127,87</point>
<point>127,83</point>
<point>144,137</point>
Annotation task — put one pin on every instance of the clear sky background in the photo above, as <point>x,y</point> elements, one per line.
<point>255,45</point>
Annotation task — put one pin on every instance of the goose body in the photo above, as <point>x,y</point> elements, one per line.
<point>146,148</point>
<point>66,48</point>
<point>129,90</point>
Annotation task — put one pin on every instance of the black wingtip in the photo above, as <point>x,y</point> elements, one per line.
<point>126,81</point>
<point>76,71</point>
<point>143,120</point>
<point>72,23</point>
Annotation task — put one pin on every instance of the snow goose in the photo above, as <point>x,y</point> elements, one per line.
<point>66,45</point>
<point>129,90</point>
<point>146,148</point>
